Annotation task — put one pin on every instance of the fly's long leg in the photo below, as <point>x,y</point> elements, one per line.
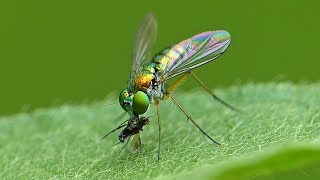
<point>172,87</point>
<point>212,94</point>
<point>159,125</point>
<point>190,118</point>
<point>183,77</point>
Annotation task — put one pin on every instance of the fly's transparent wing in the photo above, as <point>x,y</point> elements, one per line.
<point>136,143</point>
<point>144,41</point>
<point>193,52</point>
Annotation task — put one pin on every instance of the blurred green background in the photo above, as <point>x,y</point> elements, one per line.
<point>53,52</point>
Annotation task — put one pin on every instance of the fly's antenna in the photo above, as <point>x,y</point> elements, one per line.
<point>120,126</point>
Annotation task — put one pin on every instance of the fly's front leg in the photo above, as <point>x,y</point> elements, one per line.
<point>159,126</point>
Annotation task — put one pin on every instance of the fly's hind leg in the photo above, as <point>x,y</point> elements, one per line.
<point>190,118</point>
<point>172,87</point>
<point>213,95</point>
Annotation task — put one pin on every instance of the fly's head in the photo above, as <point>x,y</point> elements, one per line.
<point>137,103</point>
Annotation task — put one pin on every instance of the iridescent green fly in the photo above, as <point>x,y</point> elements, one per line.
<point>148,75</point>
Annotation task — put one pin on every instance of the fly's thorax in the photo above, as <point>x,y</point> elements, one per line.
<point>143,80</point>
<point>150,68</point>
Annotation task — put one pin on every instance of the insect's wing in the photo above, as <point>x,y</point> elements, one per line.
<point>194,52</point>
<point>136,143</point>
<point>144,41</point>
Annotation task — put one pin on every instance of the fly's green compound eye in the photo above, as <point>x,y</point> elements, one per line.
<point>140,103</point>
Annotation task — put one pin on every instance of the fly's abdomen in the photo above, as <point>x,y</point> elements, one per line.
<point>192,53</point>
<point>161,61</point>
<point>164,58</point>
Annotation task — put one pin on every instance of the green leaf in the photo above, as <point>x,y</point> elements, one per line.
<point>298,161</point>
<point>277,136</point>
